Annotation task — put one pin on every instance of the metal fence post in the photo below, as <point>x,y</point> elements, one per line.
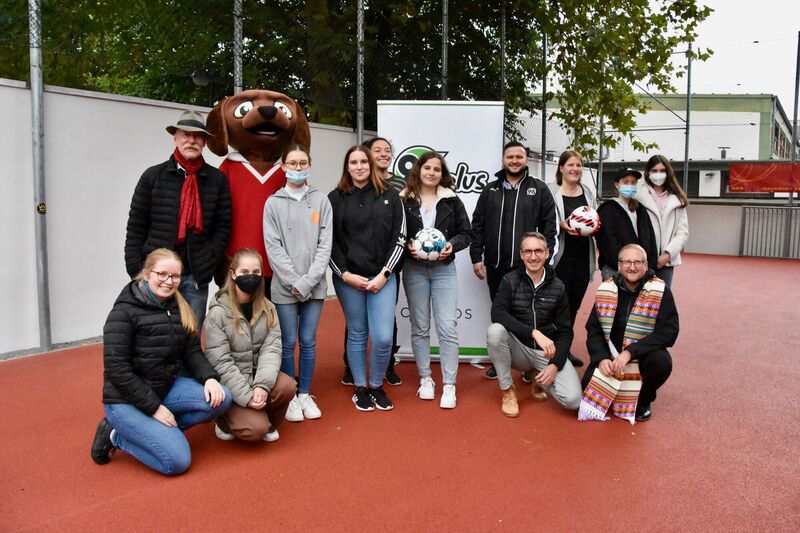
<point>237,46</point>
<point>360,74</point>
<point>444,47</point>
<point>688,118</point>
<point>37,129</point>
<point>544,105</point>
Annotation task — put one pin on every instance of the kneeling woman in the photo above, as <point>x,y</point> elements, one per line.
<point>151,334</point>
<point>431,202</point>
<point>243,342</point>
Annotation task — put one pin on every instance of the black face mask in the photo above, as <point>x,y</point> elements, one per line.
<point>248,282</point>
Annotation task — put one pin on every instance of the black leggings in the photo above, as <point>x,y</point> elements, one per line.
<point>575,277</point>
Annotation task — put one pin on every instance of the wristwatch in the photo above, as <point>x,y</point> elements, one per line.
<point>387,273</point>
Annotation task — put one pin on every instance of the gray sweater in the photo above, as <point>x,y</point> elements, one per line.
<point>298,236</point>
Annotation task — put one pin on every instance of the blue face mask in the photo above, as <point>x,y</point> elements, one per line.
<point>627,191</point>
<point>297,177</point>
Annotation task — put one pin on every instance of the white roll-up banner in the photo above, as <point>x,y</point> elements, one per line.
<point>469,135</point>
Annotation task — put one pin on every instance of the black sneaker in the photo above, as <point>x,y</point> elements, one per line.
<point>102,449</point>
<point>577,363</point>
<point>526,377</point>
<point>643,413</point>
<point>347,378</point>
<point>491,373</point>
<point>380,399</point>
<point>362,399</point>
<point>392,378</point>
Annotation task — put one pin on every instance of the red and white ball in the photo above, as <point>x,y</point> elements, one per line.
<point>585,221</point>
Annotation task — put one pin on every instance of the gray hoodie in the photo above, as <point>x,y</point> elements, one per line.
<point>298,236</point>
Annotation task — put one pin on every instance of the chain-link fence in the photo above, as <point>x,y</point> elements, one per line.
<point>182,51</point>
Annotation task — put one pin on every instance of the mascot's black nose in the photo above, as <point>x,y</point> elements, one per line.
<point>267,111</point>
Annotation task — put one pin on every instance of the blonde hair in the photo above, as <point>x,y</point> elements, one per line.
<point>261,306</point>
<point>188,320</point>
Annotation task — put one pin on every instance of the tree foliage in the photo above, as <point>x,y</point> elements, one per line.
<point>597,51</point>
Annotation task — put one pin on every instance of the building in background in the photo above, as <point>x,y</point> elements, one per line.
<point>724,128</point>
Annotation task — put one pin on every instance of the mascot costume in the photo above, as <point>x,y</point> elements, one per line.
<point>252,128</point>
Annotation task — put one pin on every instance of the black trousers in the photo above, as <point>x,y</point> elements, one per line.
<point>493,278</point>
<point>655,368</point>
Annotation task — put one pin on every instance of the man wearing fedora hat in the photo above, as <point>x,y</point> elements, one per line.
<point>182,204</point>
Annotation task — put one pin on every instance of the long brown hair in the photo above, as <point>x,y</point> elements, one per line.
<point>671,185</point>
<point>259,299</point>
<point>346,181</point>
<point>188,320</point>
<point>413,182</point>
<point>565,155</point>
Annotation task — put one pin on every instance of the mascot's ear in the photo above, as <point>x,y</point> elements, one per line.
<point>302,133</point>
<point>216,125</point>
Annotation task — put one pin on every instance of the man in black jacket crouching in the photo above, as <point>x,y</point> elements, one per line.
<point>532,330</point>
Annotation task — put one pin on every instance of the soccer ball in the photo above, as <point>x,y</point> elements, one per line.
<point>429,243</point>
<point>585,220</point>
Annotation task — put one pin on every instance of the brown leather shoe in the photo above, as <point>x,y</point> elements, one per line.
<point>509,405</point>
<point>538,394</point>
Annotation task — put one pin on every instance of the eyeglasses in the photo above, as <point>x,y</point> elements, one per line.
<point>296,165</point>
<point>164,276</point>
<point>628,264</point>
<point>538,252</point>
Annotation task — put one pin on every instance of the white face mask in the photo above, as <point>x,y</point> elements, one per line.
<point>658,178</point>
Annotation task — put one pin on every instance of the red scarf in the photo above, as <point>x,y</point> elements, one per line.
<point>191,211</point>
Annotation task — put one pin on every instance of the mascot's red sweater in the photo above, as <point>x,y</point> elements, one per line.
<point>249,192</point>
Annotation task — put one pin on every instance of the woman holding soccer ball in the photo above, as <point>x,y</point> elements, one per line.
<point>369,235</point>
<point>430,280</point>
<point>666,203</point>
<point>575,260</point>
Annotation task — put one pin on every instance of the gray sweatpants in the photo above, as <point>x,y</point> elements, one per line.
<point>506,352</point>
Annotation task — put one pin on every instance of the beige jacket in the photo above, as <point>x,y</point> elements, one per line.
<point>243,360</point>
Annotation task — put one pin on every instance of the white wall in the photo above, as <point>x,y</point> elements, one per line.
<point>19,326</point>
<point>96,147</point>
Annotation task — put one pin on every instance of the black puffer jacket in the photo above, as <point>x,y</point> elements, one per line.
<point>153,219</point>
<point>520,309</point>
<point>451,220</point>
<point>144,348</point>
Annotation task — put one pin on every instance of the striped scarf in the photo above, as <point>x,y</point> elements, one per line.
<point>604,392</point>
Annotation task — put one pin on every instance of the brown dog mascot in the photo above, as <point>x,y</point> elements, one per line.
<point>257,125</point>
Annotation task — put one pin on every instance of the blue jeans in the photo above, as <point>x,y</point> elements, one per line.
<point>368,315</point>
<point>433,284</point>
<point>196,296</point>
<point>306,329</point>
<point>163,448</point>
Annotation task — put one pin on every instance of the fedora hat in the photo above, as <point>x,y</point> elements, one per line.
<point>189,121</point>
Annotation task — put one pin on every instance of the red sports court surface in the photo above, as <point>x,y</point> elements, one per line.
<point>720,453</point>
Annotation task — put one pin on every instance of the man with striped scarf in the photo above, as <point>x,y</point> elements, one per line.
<point>633,322</point>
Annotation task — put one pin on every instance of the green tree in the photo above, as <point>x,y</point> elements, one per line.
<point>597,51</point>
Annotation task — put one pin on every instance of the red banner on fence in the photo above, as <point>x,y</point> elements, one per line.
<point>764,177</point>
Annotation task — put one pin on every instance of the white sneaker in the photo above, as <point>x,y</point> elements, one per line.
<point>221,435</point>
<point>295,412</point>
<point>272,436</point>
<point>448,400</point>
<point>425,390</point>
<point>309,406</point>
